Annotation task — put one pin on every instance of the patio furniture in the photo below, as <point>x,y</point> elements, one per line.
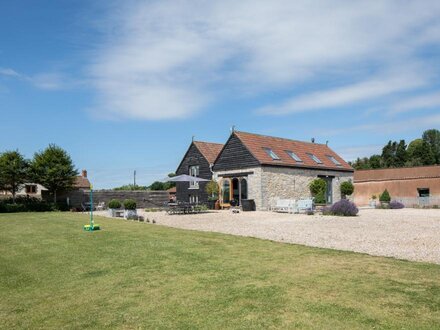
<point>284,205</point>
<point>304,205</point>
<point>100,206</point>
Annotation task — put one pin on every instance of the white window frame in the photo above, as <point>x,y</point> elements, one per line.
<point>294,156</point>
<point>271,153</point>
<point>334,160</point>
<point>315,158</point>
<point>194,170</point>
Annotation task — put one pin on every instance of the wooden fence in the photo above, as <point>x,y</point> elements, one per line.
<point>144,199</point>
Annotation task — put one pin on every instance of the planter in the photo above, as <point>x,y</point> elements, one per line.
<point>373,203</point>
<point>385,205</point>
<point>112,212</point>
<point>130,214</point>
<point>211,204</point>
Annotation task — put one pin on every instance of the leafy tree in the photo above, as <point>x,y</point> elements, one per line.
<point>375,162</point>
<point>420,153</point>
<point>131,187</point>
<point>432,138</point>
<point>317,189</point>
<point>347,188</point>
<point>53,168</point>
<point>13,172</point>
<point>212,189</point>
<point>157,185</point>
<point>401,154</point>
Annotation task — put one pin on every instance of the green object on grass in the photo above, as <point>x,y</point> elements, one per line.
<point>92,226</point>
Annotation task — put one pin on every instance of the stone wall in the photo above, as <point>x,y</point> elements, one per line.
<point>268,183</point>
<point>253,181</point>
<point>293,183</point>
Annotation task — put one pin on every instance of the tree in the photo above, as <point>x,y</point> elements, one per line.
<point>13,172</point>
<point>432,138</point>
<point>385,196</point>
<point>375,162</point>
<point>212,189</point>
<point>420,153</point>
<point>347,188</point>
<point>53,168</point>
<point>401,154</point>
<point>317,189</point>
<point>131,187</point>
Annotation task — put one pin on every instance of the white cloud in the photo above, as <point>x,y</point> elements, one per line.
<point>353,152</point>
<point>167,59</point>
<point>392,126</point>
<point>425,101</point>
<point>46,81</point>
<point>365,90</point>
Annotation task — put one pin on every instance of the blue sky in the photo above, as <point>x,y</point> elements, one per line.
<point>124,85</point>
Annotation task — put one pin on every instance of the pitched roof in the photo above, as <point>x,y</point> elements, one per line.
<point>256,145</point>
<point>81,182</point>
<point>209,150</point>
<point>405,173</point>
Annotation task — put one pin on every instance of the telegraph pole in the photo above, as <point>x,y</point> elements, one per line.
<point>134,179</point>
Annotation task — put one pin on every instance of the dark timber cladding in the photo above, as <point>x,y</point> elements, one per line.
<point>193,157</point>
<point>234,156</point>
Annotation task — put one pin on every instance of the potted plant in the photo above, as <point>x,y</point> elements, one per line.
<point>113,206</point>
<point>130,211</point>
<point>347,189</point>
<point>385,199</point>
<point>212,191</point>
<point>373,201</point>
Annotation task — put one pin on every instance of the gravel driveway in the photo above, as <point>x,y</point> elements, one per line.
<point>412,234</point>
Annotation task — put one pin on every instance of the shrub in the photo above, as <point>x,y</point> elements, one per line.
<point>114,204</point>
<point>347,188</point>
<point>344,208</point>
<point>317,189</point>
<point>385,197</point>
<point>30,204</point>
<point>212,190</point>
<point>129,204</point>
<point>396,205</point>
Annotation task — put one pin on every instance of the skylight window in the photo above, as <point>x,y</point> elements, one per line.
<point>316,159</point>
<point>293,155</point>
<point>271,153</point>
<point>334,160</point>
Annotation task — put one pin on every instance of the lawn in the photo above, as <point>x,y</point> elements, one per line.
<point>134,275</point>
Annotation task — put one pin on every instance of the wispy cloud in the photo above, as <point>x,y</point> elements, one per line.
<point>343,96</point>
<point>353,152</point>
<point>420,102</point>
<point>46,81</point>
<point>391,126</point>
<point>167,59</point>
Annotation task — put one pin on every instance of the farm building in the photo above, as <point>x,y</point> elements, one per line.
<point>264,169</point>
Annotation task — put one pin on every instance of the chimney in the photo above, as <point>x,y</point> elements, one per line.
<point>313,140</point>
<point>84,173</point>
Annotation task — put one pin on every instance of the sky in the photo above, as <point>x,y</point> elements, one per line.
<point>125,85</point>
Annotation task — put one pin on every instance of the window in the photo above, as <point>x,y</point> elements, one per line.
<point>423,192</point>
<point>334,160</point>
<point>293,155</point>
<point>271,153</point>
<point>31,189</point>
<point>194,199</point>
<point>194,171</point>
<point>316,159</point>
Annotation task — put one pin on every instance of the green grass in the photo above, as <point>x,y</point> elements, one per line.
<point>132,275</point>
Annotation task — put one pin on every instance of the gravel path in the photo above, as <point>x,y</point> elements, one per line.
<point>412,234</point>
